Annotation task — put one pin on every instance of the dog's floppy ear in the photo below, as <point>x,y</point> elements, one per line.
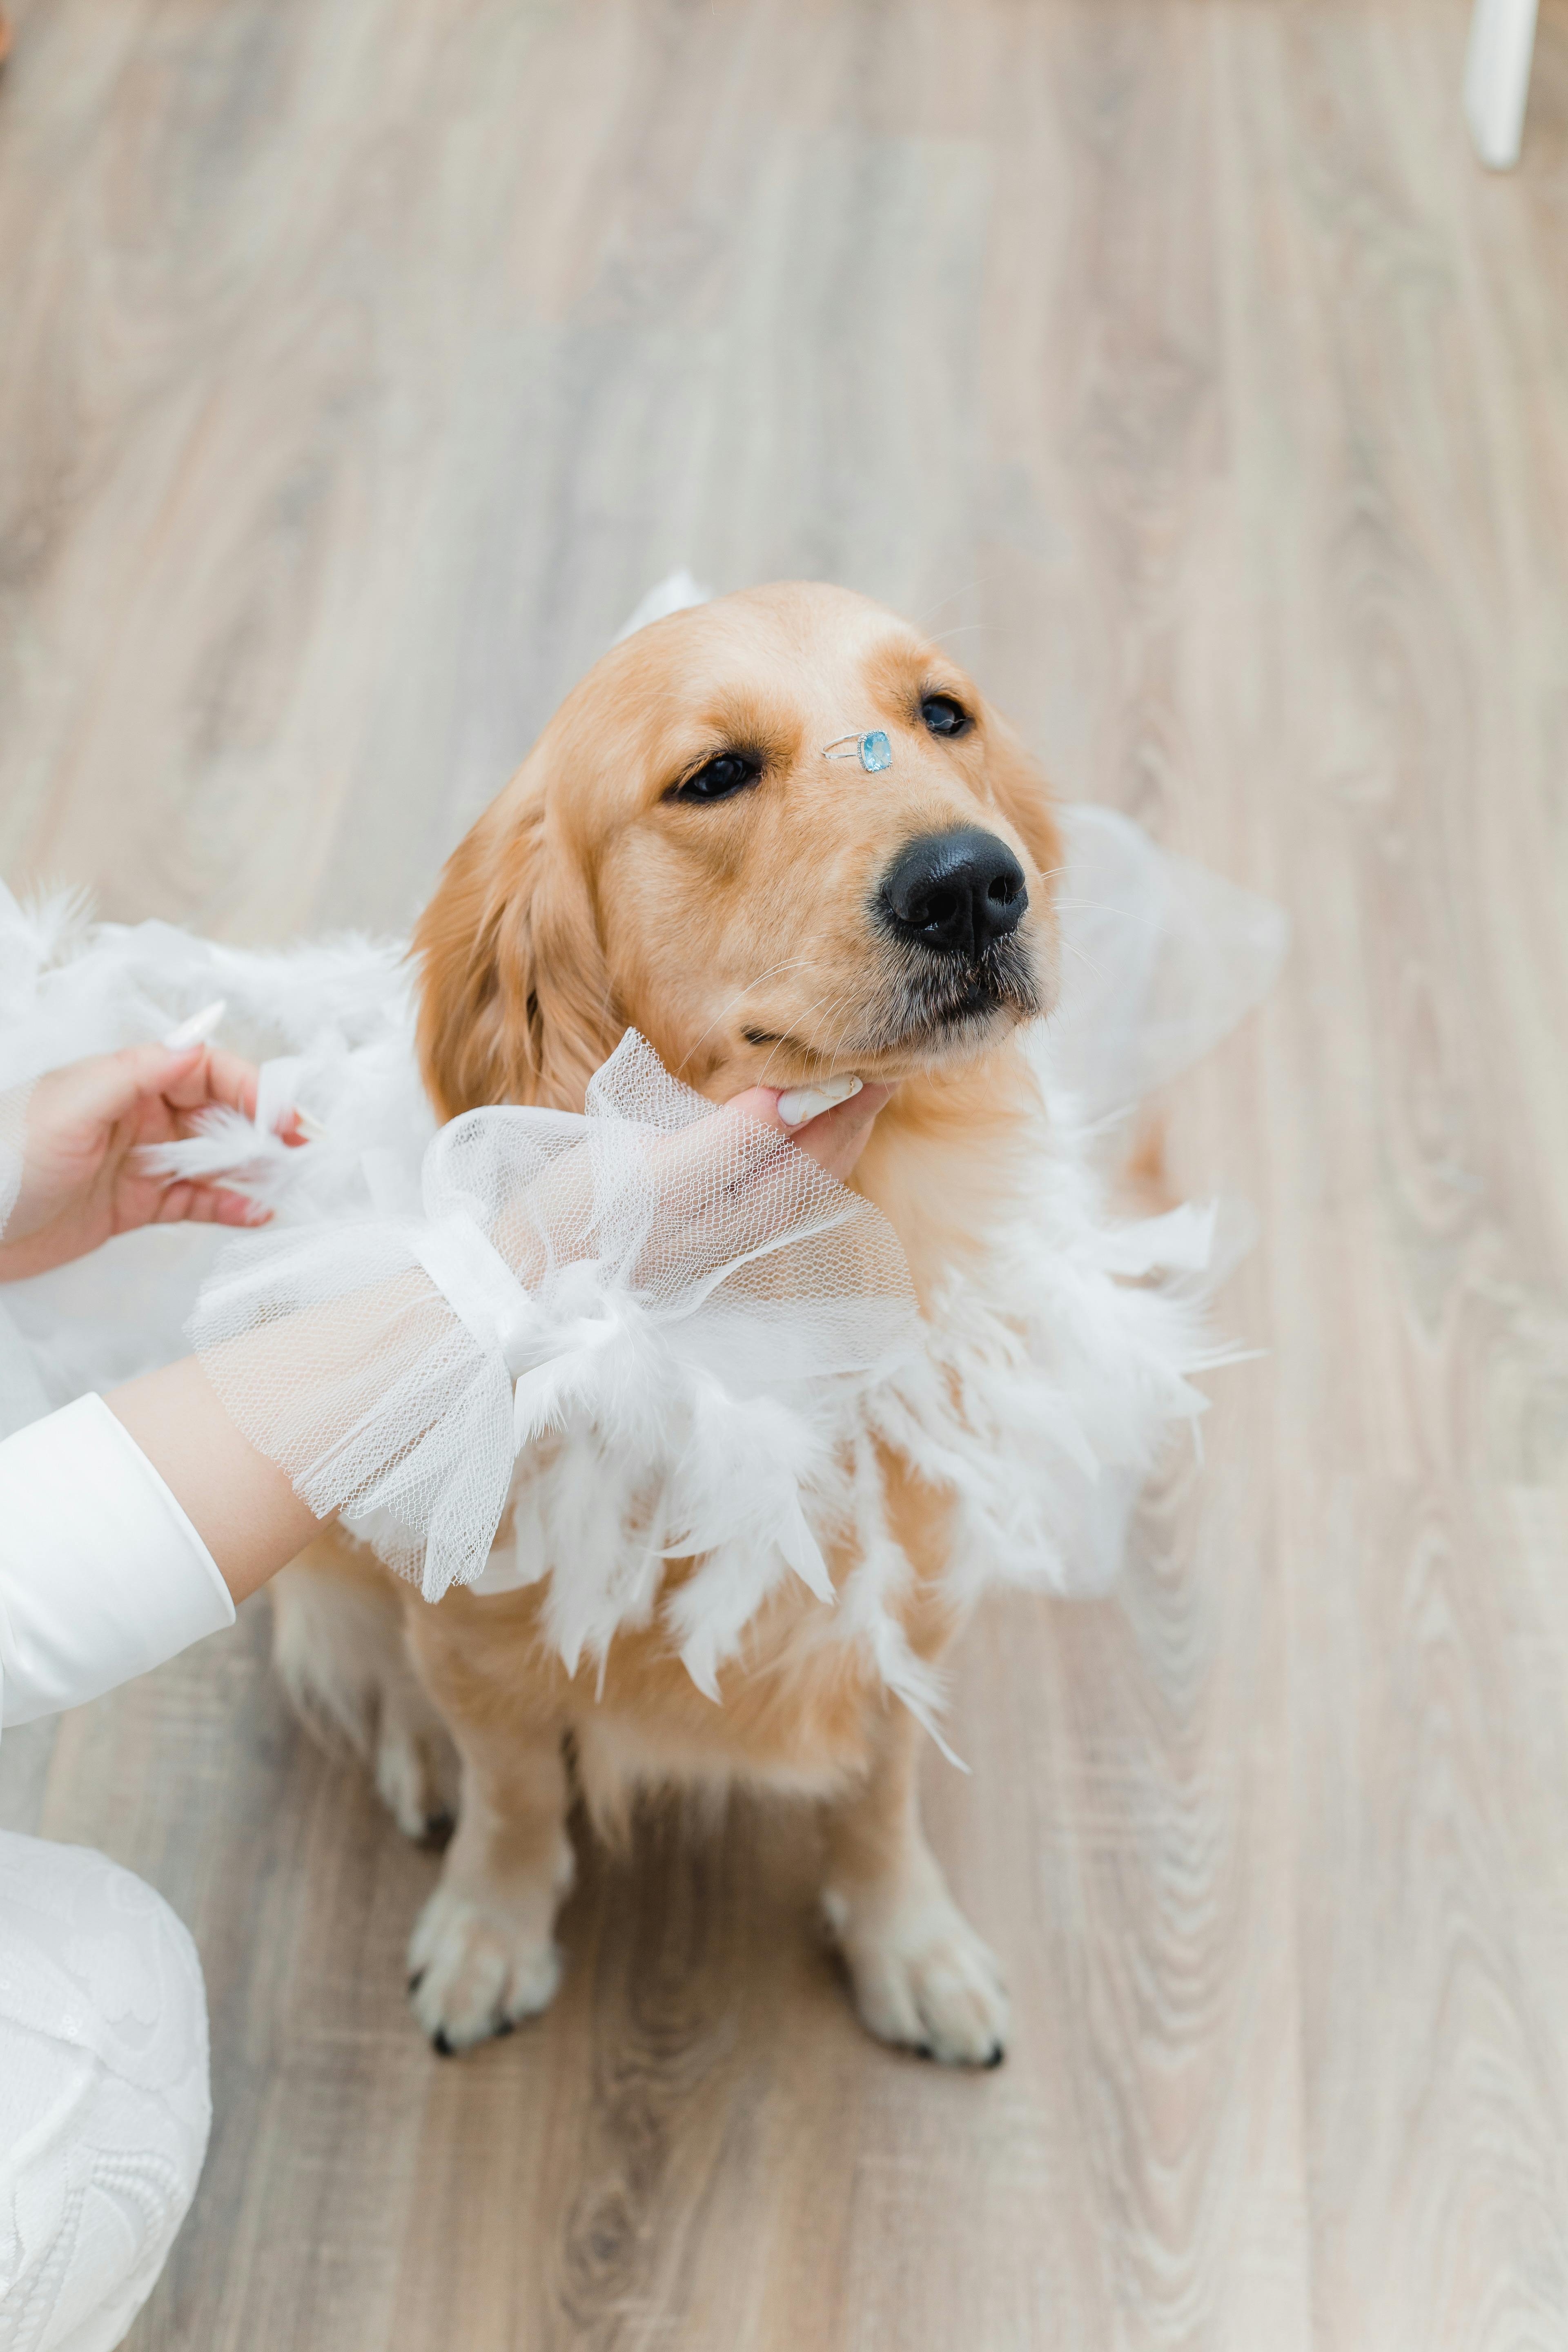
<point>1021,792</point>
<point>514,998</point>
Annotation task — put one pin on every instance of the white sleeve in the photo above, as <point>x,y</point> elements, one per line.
<point>102,1574</point>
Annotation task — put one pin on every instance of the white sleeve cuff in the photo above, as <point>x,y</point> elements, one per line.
<point>102,1574</point>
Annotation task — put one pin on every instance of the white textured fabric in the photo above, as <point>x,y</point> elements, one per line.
<point>685,1283</point>
<point>27,942</point>
<point>102,1576</point>
<point>1160,960</point>
<point>104,2100</point>
<point>23,1396</point>
<point>12,1135</point>
<point>1050,1373</point>
<point>339,1010</point>
<point>104,2104</point>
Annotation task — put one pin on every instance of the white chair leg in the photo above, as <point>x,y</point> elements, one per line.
<point>1497,78</point>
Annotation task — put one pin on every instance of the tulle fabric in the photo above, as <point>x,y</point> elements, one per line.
<point>1160,959</point>
<point>668,1400</point>
<point>332,1022</point>
<point>680,1279</point>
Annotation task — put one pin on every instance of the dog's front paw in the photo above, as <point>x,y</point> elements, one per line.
<point>476,1970</point>
<point>923,1979</point>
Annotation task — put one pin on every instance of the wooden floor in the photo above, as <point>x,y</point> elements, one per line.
<point>361,362</point>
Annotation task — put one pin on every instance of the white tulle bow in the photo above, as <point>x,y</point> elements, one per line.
<point>674,1288</point>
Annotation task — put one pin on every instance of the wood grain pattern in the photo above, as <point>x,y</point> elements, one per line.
<point>363,361</point>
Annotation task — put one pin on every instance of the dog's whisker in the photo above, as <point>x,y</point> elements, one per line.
<point>843,1026</point>
<point>791,963</point>
<point>922,620</point>
<point>986,580</point>
<point>836,1047</point>
<point>1073,947</point>
<point>804,1010</point>
<point>844,998</point>
<point>833,1003</point>
<point>1102,906</point>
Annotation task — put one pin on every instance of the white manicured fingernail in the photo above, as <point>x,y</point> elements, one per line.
<point>198,1028</point>
<point>803,1103</point>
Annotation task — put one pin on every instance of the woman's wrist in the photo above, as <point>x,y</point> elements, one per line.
<point>241,1505</point>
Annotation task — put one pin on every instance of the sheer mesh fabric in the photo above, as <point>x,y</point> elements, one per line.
<point>683,1385</point>
<point>654,1271</point>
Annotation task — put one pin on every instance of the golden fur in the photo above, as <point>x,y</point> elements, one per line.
<point>739,938</point>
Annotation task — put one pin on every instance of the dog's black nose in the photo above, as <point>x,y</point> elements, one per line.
<point>955,891</point>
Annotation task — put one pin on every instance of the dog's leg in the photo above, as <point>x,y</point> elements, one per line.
<point>922,1977</point>
<point>483,1954</point>
<point>337,1644</point>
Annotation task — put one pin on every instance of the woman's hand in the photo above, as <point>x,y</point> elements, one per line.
<point>835,1138</point>
<point>244,1505</point>
<point>80,1183</point>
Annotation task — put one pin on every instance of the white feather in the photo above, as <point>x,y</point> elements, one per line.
<point>249,1159</point>
<point>1047,1383</point>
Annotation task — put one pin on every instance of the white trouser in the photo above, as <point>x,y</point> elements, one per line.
<point>104,2103</point>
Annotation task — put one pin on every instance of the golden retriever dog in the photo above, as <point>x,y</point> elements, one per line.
<point>679,854</point>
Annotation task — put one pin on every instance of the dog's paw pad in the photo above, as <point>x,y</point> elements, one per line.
<point>474,1972</point>
<point>924,1981</point>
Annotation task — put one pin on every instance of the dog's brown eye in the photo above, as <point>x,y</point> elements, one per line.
<point>731,773</point>
<point>942,716</point>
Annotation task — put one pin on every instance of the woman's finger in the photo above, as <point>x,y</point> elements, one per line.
<point>212,1077</point>
<point>843,1131</point>
<point>106,1087</point>
<point>214,1206</point>
<point>834,1138</point>
<point>188,1203</point>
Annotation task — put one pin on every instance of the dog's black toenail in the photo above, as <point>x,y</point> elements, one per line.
<point>996,2056</point>
<point>441,2046</point>
<point>415,1981</point>
<point>924,2050</point>
<point>438,1829</point>
<point>508,2025</point>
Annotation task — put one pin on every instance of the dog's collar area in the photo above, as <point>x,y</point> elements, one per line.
<point>873,750</point>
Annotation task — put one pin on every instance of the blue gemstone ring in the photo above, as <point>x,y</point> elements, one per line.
<point>873,751</point>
